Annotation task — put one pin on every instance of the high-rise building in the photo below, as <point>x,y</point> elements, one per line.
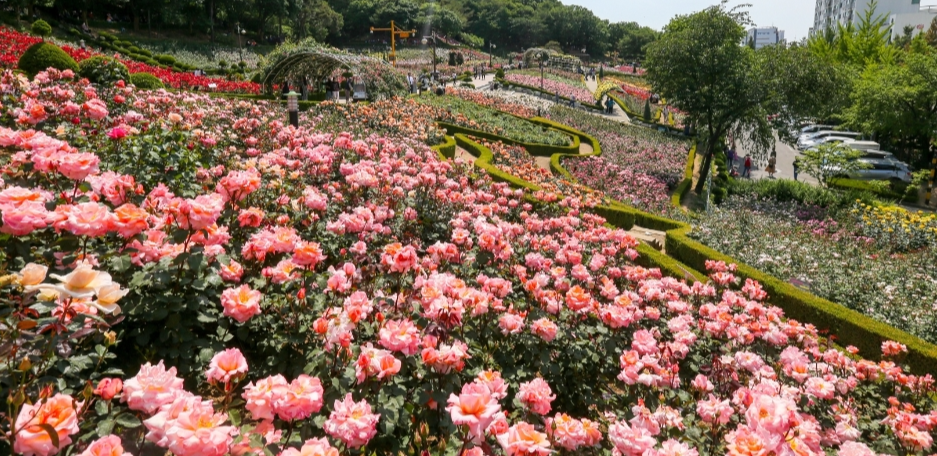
<point>828,13</point>
<point>760,37</point>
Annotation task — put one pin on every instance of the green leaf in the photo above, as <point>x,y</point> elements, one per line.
<point>235,417</point>
<point>100,407</point>
<point>105,427</point>
<point>53,435</point>
<point>128,421</point>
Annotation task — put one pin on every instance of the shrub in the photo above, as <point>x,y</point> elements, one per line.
<point>133,49</point>
<point>647,110</point>
<point>44,55</point>
<point>74,31</point>
<point>499,73</point>
<point>103,70</point>
<point>165,59</point>
<point>222,64</point>
<point>146,81</point>
<point>124,44</point>
<point>41,28</point>
<point>145,52</point>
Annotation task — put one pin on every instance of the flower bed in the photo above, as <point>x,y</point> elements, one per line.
<point>13,44</point>
<point>865,260</point>
<point>475,116</point>
<point>638,166</point>
<point>490,100</point>
<point>551,84</point>
<point>300,290</point>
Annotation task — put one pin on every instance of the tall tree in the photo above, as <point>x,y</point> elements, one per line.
<point>699,66</point>
<point>899,101</point>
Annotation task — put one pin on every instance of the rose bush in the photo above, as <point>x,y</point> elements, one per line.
<point>551,84</point>
<point>258,288</point>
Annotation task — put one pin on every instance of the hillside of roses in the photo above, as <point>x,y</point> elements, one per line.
<point>190,275</point>
<point>14,43</point>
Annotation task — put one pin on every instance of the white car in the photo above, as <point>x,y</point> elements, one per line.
<point>813,139</point>
<point>886,169</point>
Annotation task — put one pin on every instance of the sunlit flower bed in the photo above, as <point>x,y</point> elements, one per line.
<point>13,44</point>
<point>490,100</point>
<point>534,103</point>
<point>638,166</point>
<point>551,84</point>
<point>472,115</point>
<point>860,261</point>
<point>396,117</point>
<point>188,275</point>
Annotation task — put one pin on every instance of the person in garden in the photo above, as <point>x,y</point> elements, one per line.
<point>731,156</point>
<point>610,105</point>
<point>796,167</point>
<point>411,82</point>
<point>772,162</point>
<point>747,172</point>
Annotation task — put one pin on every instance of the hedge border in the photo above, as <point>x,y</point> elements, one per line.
<point>446,150</point>
<point>686,255</point>
<point>855,184</point>
<point>540,150</point>
<point>507,83</point>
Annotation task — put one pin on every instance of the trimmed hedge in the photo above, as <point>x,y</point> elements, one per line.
<point>146,81</point>
<point>446,150</point>
<point>683,187</point>
<point>43,55</point>
<point>541,150</point>
<point>652,258</point>
<point>865,186</point>
<point>103,70</point>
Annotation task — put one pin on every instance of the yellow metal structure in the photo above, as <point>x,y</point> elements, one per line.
<point>394,33</point>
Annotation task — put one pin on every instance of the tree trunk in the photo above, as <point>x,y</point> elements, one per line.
<point>704,170</point>
<point>211,20</point>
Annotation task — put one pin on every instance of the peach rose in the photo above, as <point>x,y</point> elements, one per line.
<point>32,274</point>
<point>105,446</point>
<point>58,412</point>
<point>241,303</point>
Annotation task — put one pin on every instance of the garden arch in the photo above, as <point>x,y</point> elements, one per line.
<point>292,61</point>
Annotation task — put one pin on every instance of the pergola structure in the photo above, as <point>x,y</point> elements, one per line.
<point>531,56</point>
<point>292,61</point>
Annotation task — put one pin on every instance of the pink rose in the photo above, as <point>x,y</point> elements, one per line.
<point>151,388</point>
<point>300,400</point>
<point>262,396</point>
<point>109,445</point>
<point>522,439</point>
<point>352,422</point>
<point>536,395</point>
<point>226,366</point>
<point>241,303</point>
<point>108,388</point>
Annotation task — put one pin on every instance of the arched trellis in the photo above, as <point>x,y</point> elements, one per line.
<point>531,56</point>
<point>603,88</point>
<point>293,61</point>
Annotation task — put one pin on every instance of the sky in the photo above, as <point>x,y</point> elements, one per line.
<point>795,17</point>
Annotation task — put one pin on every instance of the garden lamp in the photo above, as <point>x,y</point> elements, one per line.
<point>490,47</point>
<point>292,107</point>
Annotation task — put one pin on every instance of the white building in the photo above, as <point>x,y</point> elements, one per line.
<point>828,13</point>
<point>764,36</point>
<point>918,21</point>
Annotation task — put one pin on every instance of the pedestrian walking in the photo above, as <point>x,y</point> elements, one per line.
<point>747,172</point>
<point>796,168</point>
<point>731,156</point>
<point>411,82</point>
<point>772,162</point>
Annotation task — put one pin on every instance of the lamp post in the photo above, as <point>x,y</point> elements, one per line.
<point>432,37</point>
<point>540,58</point>
<point>240,49</point>
<point>292,107</point>
<point>490,47</point>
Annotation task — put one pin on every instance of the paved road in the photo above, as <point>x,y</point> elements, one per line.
<point>785,165</point>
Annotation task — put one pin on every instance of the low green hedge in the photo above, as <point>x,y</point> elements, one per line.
<point>44,55</point>
<point>683,187</point>
<point>541,150</point>
<point>649,257</point>
<point>855,184</point>
<point>446,150</point>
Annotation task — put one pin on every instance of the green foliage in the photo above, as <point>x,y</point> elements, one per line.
<point>858,45</point>
<point>146,81</point>
<point>103,70</point>
<point>44,55</point>
<point>786,190</point>
<point>830,160</point>
<point>165,59</point>
<point>647,111</point>
<point>41,28</point>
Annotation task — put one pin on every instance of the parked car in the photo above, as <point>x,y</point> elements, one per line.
<point>811,141</point>
<point>813,128</point>
<point>883,169</point>
<point>862,145</point>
